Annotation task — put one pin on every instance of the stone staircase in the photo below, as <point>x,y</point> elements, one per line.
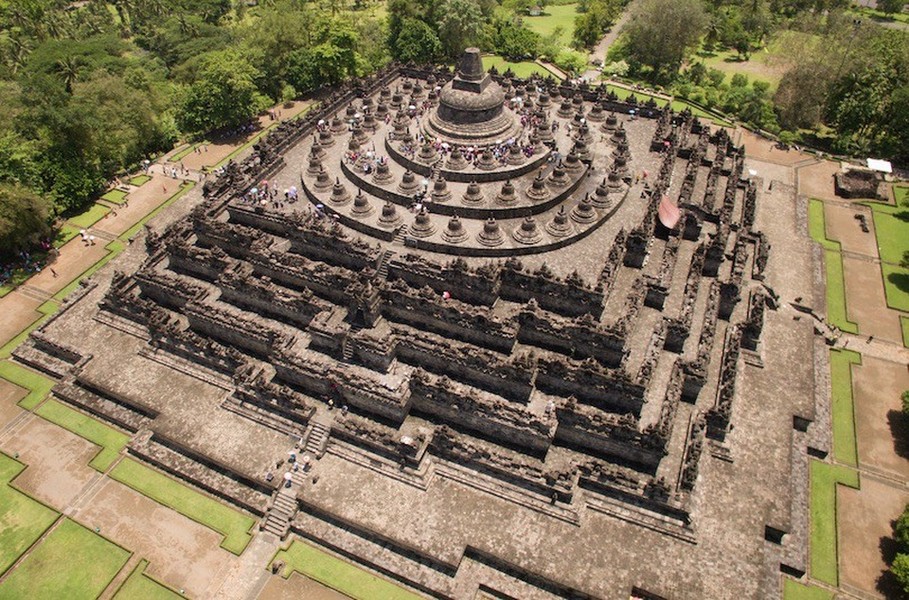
<point>382,272</point>
<point>347,350</point>
<point>317,440</point>
<point>282,510</point>
<point>399,237</point>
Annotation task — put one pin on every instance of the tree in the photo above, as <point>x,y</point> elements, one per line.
<point>417,43</point>
<point>891,7</point>
<point>516,41</point>
<point>460,25</point>
<point>905,396</point>
<point>224,95</point>
<point>660,32</point>
<point>24,219</point>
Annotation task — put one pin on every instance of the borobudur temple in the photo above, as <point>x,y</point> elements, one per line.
<point>523,337</point>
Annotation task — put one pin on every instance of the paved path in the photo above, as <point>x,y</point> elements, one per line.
<point>602,47</point>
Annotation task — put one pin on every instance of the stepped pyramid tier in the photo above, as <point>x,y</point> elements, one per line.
<point>382,175</point>
<point>559,226</point>
<point>610,124</point>
<point>491,235</point>
<point>409,184</point>
<point>338,125</point>
<point>456,160</point>
<point>584,212</point>
<point>538,192</point>
<point>440,191</point>
<point>454,233</point>
<point>528,233</point>
<point>339,194</point>
<point>389,217</point>
<point>474,195</point>
<point>507,196</point>
<point>423,226</point>
<point>472,107</point>
<point>361,206</point>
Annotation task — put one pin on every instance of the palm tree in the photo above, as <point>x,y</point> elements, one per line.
<point>70,69</point>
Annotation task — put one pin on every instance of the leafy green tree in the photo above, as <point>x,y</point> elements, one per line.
<point>417,43</point>
<point>224,95</point>
<point>516,41</point>
<point>905,396</point>
<point>269,41</point>
<point>24,218</point>
<point>460,25</point>
<point>660,33</point>
<point>900,570</point>
<point>891,7</point>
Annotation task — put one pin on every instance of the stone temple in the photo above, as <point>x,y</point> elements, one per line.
<point>525,334</point>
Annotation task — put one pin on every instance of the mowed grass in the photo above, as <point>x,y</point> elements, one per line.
<point>793,590</point>
<point>140,586</point>
<point>901,195</point>
<point>232,524</point>
<point>904,325</point>
<point>116,196</point>
<point>88,218</point>
<point>833,262</point>
<point>824,479</point>
<point>891,225</point>
<point>139,180</point>
<point>22,519</point>
<point>522,69</point>
<point>72,562</point>
<point>110,440</point>
<point>896,286</point>
<point>844,448</point>
<point>553,17</point>
<point>338,574</point>
<point>38,385</point>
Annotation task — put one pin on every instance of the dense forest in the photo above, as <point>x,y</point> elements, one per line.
<point>92,87</point>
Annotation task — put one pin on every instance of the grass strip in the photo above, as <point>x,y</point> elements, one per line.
<point>114,247</point>
<point>140,586</point>
<point>891,226</point>
<point>116,196</point>
<point>844,445</point>
<point>522,69</point>
<point>110,440</point>
<point>896,286</point>
<point>904,325</point>
<point>833,263</point>
<point>23,520</point>
<point>824,479</point>
<point>232,524</point>
<point>140,180</point>
<point>184,152</point>
<point>793,590</point>
<point>66,233</point>
<point>339,575</point>
<point>94,214</point>
<point>72,562</point>
<point>132,231</point>
<point>38,385</point>
<point>47,309</point>
<point>901,195</point>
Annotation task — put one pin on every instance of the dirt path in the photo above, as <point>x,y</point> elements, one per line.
<point>602,47</point>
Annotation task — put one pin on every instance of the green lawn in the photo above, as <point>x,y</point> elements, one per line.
<point>521,69</point>
<point>555,16</point>
<point>901,195</point>
<point>47,309</point>
<point>22,519</point>
<point>140,586</point>
<point>66,233</point>
<point>184,152</point>
<point>72,562</point>
<point>793,590</point>
<point>891,225</point>
<point>140,180</point>
<point>833,261</point>
<point>110,440</point>
<point>844,448</point>
<point>229,522</point>
<point>904,325</point>
<point>896,286</point>
<point>338,574</point>
<point>878,15</point>
<point>38,385</point>
<point>116,196</point>
<point>94,214</point>
<point>824,478</point>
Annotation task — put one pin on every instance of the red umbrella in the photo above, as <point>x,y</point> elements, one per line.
<point>668,212</point>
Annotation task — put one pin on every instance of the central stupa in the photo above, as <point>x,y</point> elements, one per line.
<point>472,107</point>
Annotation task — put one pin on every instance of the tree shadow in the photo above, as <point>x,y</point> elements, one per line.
<point>887,584</point>
<point>899,430</point>
<point>900,280</point>
<point>903,215</point>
